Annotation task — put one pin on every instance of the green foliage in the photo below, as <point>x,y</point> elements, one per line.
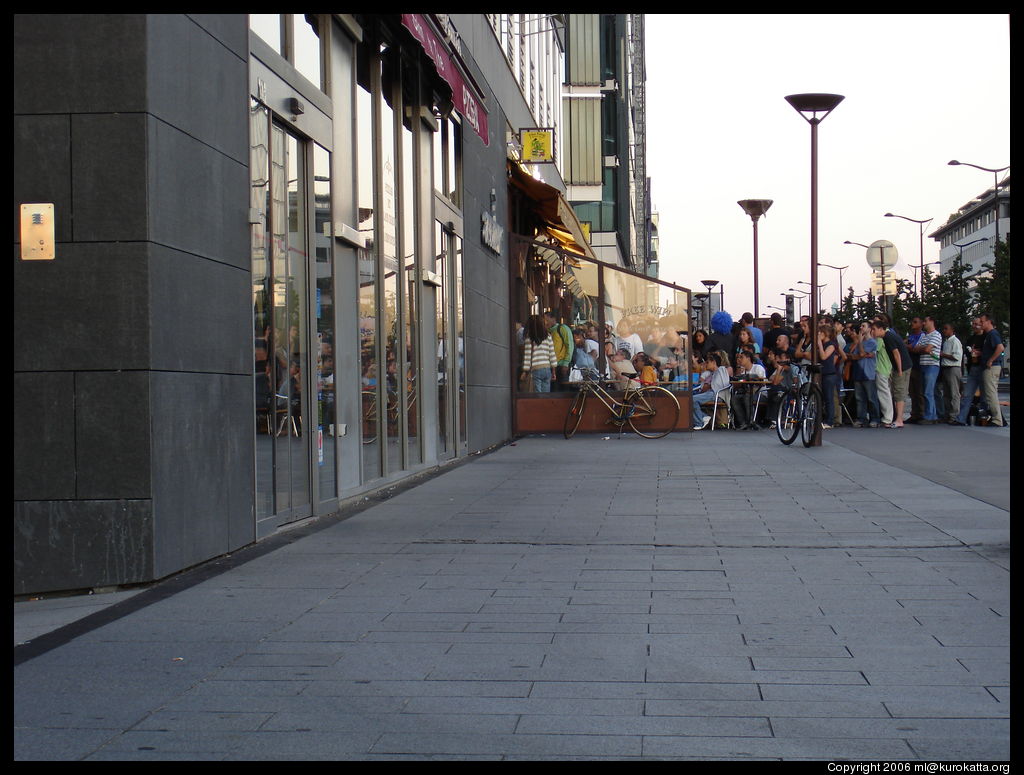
<point>992,292</point>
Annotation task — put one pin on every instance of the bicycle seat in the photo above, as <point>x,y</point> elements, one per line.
<point>629,375</point>
<point>814,368</point>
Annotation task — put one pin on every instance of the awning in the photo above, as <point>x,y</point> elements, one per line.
<point>559,219</point>
<point>463,96</point>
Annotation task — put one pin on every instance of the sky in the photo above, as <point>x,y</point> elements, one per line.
<point>919,89</point>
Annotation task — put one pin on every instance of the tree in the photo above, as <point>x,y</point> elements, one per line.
<point>992,288</point>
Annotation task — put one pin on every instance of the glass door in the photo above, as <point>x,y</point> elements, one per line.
<point>451,349</point>
<point>280,227</point>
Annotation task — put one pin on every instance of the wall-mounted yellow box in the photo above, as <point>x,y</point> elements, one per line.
<point>37,232</point>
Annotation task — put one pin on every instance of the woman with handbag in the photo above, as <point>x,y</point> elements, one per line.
<point>539,360</point>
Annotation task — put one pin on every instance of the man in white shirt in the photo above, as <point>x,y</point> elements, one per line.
<point>950,371</point>
<point>743,395</point>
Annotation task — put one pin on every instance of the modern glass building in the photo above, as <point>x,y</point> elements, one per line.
<point>282,273</point>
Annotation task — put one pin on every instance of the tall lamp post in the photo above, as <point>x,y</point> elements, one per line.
<point>920,225</point>
<point>995,189</point>
<point>921,266</point>
<point>755,208</point>
<point>817,304</point>
<point>709,284</point>
<point>800,301</point>
<point>809,106</point>
<point>841,270</point>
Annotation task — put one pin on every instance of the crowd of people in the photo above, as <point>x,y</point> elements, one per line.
<point>868,370</point>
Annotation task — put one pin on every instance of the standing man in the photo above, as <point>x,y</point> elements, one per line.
<point>777,328</point>
<point>930,346</point>
<point>951,366</point>
<point>992,359</point>
<point>862,353</point>
<point>916,386</point>
<point>899,380</point>
<point>974,370</point>
<point>561,336</point>
<point>883,373</point>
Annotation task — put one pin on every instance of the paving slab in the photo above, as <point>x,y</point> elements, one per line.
<point>699,597</point>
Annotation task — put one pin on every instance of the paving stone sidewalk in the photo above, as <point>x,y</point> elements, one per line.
<point>703,596</point>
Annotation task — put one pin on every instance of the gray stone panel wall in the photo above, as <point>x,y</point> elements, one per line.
<point>133,348</point>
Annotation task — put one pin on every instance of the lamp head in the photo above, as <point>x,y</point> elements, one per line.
<point>814,104</point>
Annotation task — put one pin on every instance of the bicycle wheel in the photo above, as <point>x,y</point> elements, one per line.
<point>575,414</point>
<point>786,424</point>
<point>810,421</point>
<point>652,412</point>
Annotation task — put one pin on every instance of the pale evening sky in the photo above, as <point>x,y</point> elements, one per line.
<point>920,89</point>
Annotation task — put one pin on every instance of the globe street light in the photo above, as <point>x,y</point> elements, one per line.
<point>814,104</point>
<point>920,225</point>
<point>995,188</point>
<point>755,208</point>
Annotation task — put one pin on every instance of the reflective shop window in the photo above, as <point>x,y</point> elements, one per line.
<point>613,315</point>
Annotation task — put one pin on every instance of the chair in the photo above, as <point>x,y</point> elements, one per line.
<point>843,393</point>
<point>725,394</point>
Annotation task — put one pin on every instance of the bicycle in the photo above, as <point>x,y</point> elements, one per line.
<point>800,409</point>
<point>650,411</point>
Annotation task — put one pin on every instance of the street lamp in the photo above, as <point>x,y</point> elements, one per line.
<point>709,284</point>
<point>921,266</point>
<point>920,225</point>
<point>814,104</point>
<point>704,302</point>
<point>755,208</point>
<point>799,300</point>
<point>804,282</point>
<point>995,188</point>
<point>841,270</point>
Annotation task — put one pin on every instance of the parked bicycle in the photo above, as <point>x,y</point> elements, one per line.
<point>800,409</point>
<point>650,411</point>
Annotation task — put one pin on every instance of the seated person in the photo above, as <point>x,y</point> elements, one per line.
<point>622,370</point>
<point>704,396</point>
<point>783,376</point>
<point>646,367</point>
<point>743,396</point>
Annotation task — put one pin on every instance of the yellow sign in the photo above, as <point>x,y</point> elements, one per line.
<point>538,145</point>
<point>37,232</point>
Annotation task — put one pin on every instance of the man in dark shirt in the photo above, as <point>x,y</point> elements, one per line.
<point>772,333</point>
<point>899,380</point>
<point>986,365</point>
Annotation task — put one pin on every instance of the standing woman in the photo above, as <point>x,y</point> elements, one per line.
<point>539,360</point>
<point>828,355</point>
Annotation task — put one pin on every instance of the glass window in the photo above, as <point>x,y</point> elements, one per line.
<point>324,309</point>
<point>268,27</point>
<point>410,367</point>
<point>306,50</point>
<point>367,280</point>
<point>390,266</point>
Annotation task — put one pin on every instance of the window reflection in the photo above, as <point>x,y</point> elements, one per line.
<point>614,314</point>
